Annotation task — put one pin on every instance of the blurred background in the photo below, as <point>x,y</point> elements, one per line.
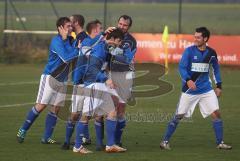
<point>149,16</point>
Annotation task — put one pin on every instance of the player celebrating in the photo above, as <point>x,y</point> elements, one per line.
<point>197,89</point>
<point>94,28</point>
<point>98,97</point>
<point>78,66</point>
<point>120,73</point>
<point>52,89</point>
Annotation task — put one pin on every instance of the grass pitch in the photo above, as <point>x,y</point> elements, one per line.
<point>193,140</point>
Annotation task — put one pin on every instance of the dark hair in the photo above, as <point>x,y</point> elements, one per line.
<point>61,21</point>
<point>92,25</point>
<point>79,18</point>
<point>205,32</point>
<point>117,33</point>
<point>126,17</point>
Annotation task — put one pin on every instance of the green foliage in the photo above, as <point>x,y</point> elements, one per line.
<point>25,49</point>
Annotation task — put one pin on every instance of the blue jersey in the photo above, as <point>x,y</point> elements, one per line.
<point>61,52</point>
<point>96,60</point>
<point>195,65</point>
<point>79,64</point>
<point>122,62</point>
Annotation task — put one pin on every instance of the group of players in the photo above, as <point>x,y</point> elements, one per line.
<point>101,65</point>
<point>100,62</point>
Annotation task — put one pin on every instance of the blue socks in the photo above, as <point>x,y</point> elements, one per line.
<point>172,125</point>
<point>31,117</point>
<point>86,131</point>
<point>69,131</point>
<point>218,129</point>
<point>79,134</point>
<point>99,133</point>
<point>111,128</point>
<point>50,123</point>
<point>119,130</point>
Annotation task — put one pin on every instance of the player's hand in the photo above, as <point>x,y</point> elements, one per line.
<point>109,30</point>
<point>79,44</point>
<point>191,85</point>
<point>63,32</point>
<point>110,84</point>
<point>218,92</point>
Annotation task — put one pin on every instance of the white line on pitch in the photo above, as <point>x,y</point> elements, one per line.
<point>18,83</point>
<point>15,105</point>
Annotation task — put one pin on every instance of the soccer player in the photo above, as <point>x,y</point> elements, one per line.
<point>98,95</point>
<point>197,88</point>
<point>78,68</point>
<point>52,88</point>
<point>119,73</point>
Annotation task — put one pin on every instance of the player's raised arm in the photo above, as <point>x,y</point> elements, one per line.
<point>64,50</point>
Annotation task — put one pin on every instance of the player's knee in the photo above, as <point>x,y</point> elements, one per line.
<point>99,118</point>
<point>40,107</point>
<point>75,117</point>
<point>84,119</point>
<point>112,115</point>
<point>121,110</point>
<point>216,115</point>
<point>55,109</point>
<point>179,117</point>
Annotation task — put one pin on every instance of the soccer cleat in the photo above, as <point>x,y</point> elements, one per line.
<point>119,144</point>
<point>165,145</point>
<point>81,150</point>
<point>86,141</point>
<point>115,149</point>
<point>65,146</point>
<point>48,141</point>
<point>224,146</point>
<point>21,135</point>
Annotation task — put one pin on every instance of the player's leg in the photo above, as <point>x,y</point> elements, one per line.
<point>76,110</point>
<point>57,100</point>
<point>50,123</point>
<point>70,125</point>
<point>111,124</point>
<point>124,83</point>
<point>43,99</point>
<point>31,117</point>
<point>99,129</point>
<point>121,123</point>
<point>80,128</point>
<point>186,103</point>
<point>209,106</point>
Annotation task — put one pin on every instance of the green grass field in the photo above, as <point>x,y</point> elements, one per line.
<point>193,141</point>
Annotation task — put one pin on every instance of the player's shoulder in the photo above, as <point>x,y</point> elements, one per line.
<point>82,35</point>
<point>129,36</point>
<point>190,49</point>
<point>213,51</point>
<point>56,38</point>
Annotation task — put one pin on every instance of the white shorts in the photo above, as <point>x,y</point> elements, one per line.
<point>208,103</point>
<point>77,98</point>
<point>124,83</point>
<point>51,91</point>
<point>98,100</point>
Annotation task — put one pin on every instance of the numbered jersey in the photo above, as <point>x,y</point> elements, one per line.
<point>195,65</point>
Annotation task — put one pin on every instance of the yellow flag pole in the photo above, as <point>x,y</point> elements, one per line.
<point>165,45</point>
